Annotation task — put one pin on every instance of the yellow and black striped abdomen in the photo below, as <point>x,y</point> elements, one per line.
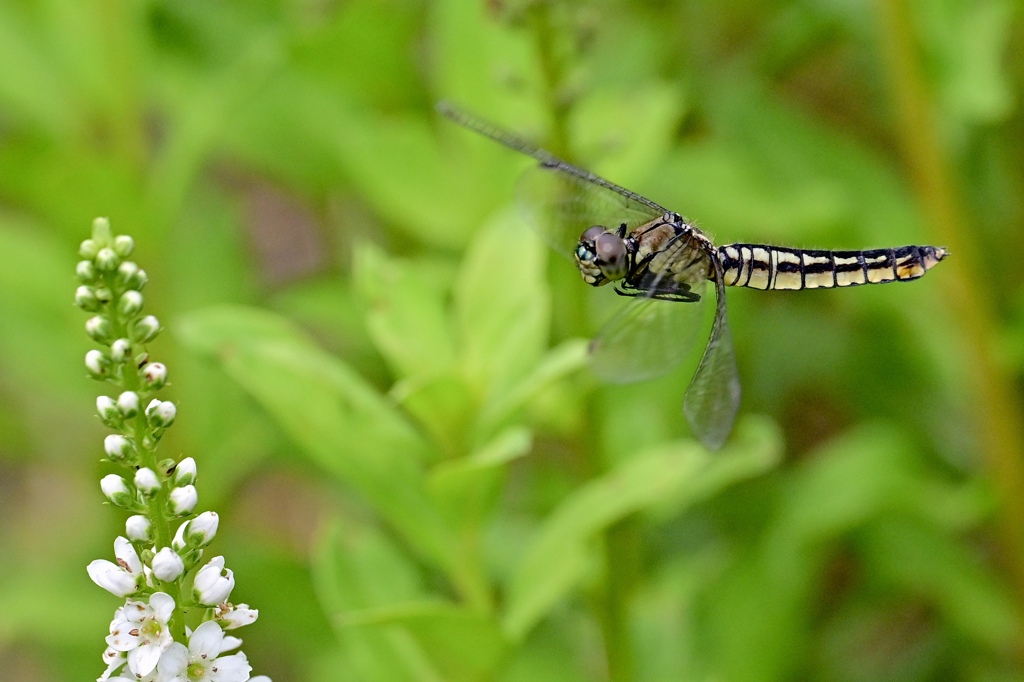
<point>773,267</point>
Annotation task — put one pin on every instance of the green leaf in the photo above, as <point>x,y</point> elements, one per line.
<point>502,305</point>
<point>465,488</point>
<point>386,619</point>
<point>676,474</point>
<point>337,419</point>
<point>407,318</point>
<point>568,358</point>
<point>923,560</point>
<point>460,644</point>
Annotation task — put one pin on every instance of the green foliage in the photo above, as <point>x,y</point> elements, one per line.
<point>385,371</point>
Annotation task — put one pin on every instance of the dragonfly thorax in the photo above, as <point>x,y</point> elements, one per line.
<point>602,255</point>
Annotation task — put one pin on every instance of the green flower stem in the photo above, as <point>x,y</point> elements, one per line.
<point>996,403</point>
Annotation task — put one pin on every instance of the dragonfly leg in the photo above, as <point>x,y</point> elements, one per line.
<point>679,292</point>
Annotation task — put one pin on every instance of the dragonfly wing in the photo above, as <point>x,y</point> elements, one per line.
<point>646,339</point>
<point>713,397</point>
<point>561,201</point>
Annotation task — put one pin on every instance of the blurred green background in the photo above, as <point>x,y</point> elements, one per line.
<point>381,374</point>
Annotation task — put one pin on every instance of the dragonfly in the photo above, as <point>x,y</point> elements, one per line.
<point>665,265</point>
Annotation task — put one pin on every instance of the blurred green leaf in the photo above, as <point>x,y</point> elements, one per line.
<point>675,474</point>
<point>337,419</point>
<point>925,561</point>
<point>502,305</point>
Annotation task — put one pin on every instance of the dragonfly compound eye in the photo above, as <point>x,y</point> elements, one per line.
<point>592,233</point>
<point>611,255</point>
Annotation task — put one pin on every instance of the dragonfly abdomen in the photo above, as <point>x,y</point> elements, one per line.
<point>773,267</point>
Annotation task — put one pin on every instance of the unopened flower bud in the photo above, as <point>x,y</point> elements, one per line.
<point>85,271</point>
<point>185,472</point>
<point>202,529</point>
<point>104,295</point>
<point>161,413</point>
<point>120,350</point>
<point>183,500</point>
<point>130,303</point>
<point>130,276</point>
<point>85,298</point>
<point>213,583</point>
<point>97,363</point>
<point>118,447</point>
<point>154,375</point>
<point>146,481</point>
<point>115,490</point>
<point>124,245</point>
<point>138,528</point>
<point>88,249</point>
<point>101,233</point>
<point>107,260</point>
<point>109,414</point>
<point>98,328</point>
<point>178,543</point>
<point>146,329</point>
<point>128,404</point>
<point>167,565</point>
<point>138,281</point>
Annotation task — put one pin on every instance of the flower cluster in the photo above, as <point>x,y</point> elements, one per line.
<point>159,568</point>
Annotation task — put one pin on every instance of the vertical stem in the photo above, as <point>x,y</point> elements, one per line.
<point>997,406</point>
<point>620,540</point>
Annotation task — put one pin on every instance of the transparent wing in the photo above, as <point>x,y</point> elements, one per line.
<point>646,339</point>
<point>561,201</point>
<point>713,397</point>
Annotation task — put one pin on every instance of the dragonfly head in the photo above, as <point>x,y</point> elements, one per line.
<point>601,256</point>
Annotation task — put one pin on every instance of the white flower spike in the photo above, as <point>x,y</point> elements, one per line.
<point>158,491</point>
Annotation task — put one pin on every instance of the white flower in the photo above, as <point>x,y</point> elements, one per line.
<point>141,631</point>
<point>116,491</point>
<point>213,583</point>
<point>130,303</point>
<point>96,363</point>
<point>138,528</point>
<point>128,403</point>
<point>202,529</point>
<point>185,472</point>
<point>120,350</point>
<point>161,413</point>
<point>146,481</point>
<point>184,499</point>
<point>203,658</point>
<point>113,484</point>
<point>178,543</point>
<point>167,565</point>
<point>107,259</point>
<point>114,660</point>
<point>259,678</point>
<point>107,409</point>
<point>231,617</point>
<point>117,447</point>
<point>124,577</point>
<point>124,245</point>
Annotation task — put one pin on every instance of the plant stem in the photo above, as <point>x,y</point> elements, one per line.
<point>997,406</point>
